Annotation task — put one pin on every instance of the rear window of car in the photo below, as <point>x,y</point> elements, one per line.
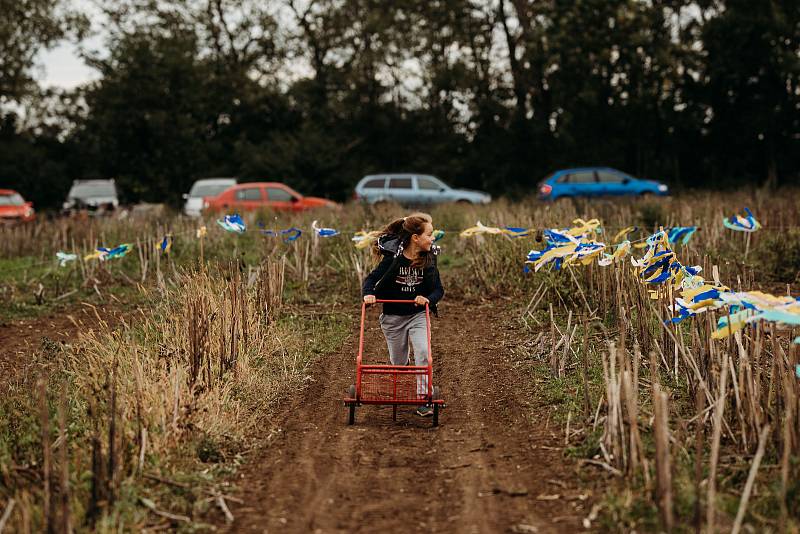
<point>93,190</point>
<point>277,194</point>
<point>208,190</point>
<point>11,200</point>
<point>400,183</point>
<point>428,183</point>
<point>375,183</point>
<point>249,193</point>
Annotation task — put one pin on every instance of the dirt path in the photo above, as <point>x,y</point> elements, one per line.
<point>491,466</point>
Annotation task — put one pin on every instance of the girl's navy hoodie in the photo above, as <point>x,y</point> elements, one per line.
<point>395,279</point>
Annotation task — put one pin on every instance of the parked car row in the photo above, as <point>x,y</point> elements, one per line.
<point>97,197</point>
<point>224,194</point>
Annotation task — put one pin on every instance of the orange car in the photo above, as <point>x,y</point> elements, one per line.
<point>14,209</point>
<point>258,195</point>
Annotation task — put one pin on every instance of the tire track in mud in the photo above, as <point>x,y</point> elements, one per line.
<point>491,466</point>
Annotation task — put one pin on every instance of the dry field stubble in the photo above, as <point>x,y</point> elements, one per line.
<point>673,419</point>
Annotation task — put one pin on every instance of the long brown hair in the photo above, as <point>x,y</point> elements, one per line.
<point>404,228</point>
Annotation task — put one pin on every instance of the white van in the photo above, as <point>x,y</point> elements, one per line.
<point>207,187</point>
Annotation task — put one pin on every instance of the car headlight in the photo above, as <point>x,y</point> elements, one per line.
<point>663,188</point>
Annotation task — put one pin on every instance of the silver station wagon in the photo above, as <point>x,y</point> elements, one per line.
<point>413,189</point>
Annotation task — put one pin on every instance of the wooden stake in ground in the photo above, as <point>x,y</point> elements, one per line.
<point>751,477</point>
<point>632,408</point>
<point>663,464</point>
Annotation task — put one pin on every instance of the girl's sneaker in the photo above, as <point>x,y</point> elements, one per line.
<point>424,411</point>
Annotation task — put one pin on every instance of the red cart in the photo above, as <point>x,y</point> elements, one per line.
<point>393,385</point>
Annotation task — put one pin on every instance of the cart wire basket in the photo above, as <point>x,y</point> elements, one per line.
<point>393,385</point>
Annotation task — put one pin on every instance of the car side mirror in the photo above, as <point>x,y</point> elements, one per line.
<point>185,196</point>
<point>295,200</point>
<point>442,190</point>
<point>626,181</point>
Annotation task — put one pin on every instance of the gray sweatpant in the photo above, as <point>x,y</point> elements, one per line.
<point>398,331</point>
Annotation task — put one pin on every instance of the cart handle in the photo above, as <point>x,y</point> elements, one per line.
<point>361,342</point>
<point>378,301</point>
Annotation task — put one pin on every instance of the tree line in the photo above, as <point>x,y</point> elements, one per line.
<point>491,94</point>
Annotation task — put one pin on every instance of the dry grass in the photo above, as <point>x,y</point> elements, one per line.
<point>185,382</point>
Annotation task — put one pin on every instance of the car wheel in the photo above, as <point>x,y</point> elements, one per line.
<point>646,195</point>
<point>463,202</point>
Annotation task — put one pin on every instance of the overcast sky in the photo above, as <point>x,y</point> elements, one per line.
<point>61,67</point>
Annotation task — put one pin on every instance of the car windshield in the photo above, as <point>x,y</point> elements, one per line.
<point>93,190</point>
<point>11,200</point>
<point>208,190</point>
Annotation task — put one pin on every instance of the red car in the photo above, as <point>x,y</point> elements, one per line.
<point>14,209</point>
<point>258,195</point>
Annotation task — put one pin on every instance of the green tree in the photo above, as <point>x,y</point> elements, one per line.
<point>26,28</point>
<point>753,89</point>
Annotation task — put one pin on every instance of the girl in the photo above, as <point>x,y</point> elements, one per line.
<point>407,271</point>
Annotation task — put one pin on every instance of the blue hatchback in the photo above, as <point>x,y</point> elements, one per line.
<point>596,182</point>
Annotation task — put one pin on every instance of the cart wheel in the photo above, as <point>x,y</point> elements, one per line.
<point>394,412</point>
<point>352,417</point>
<point>436,393</point>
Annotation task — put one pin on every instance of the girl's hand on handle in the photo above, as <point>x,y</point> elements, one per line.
<point>369,299</point>
<point>421,301</point>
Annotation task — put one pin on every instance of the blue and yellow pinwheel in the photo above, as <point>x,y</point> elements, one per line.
<point>323,232</point>
<point>104,254</point>
<point>232,223</point>
<point>165,246</point>
<point>509,231</point>
<point>682,233</point>
<point>748,223</point>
